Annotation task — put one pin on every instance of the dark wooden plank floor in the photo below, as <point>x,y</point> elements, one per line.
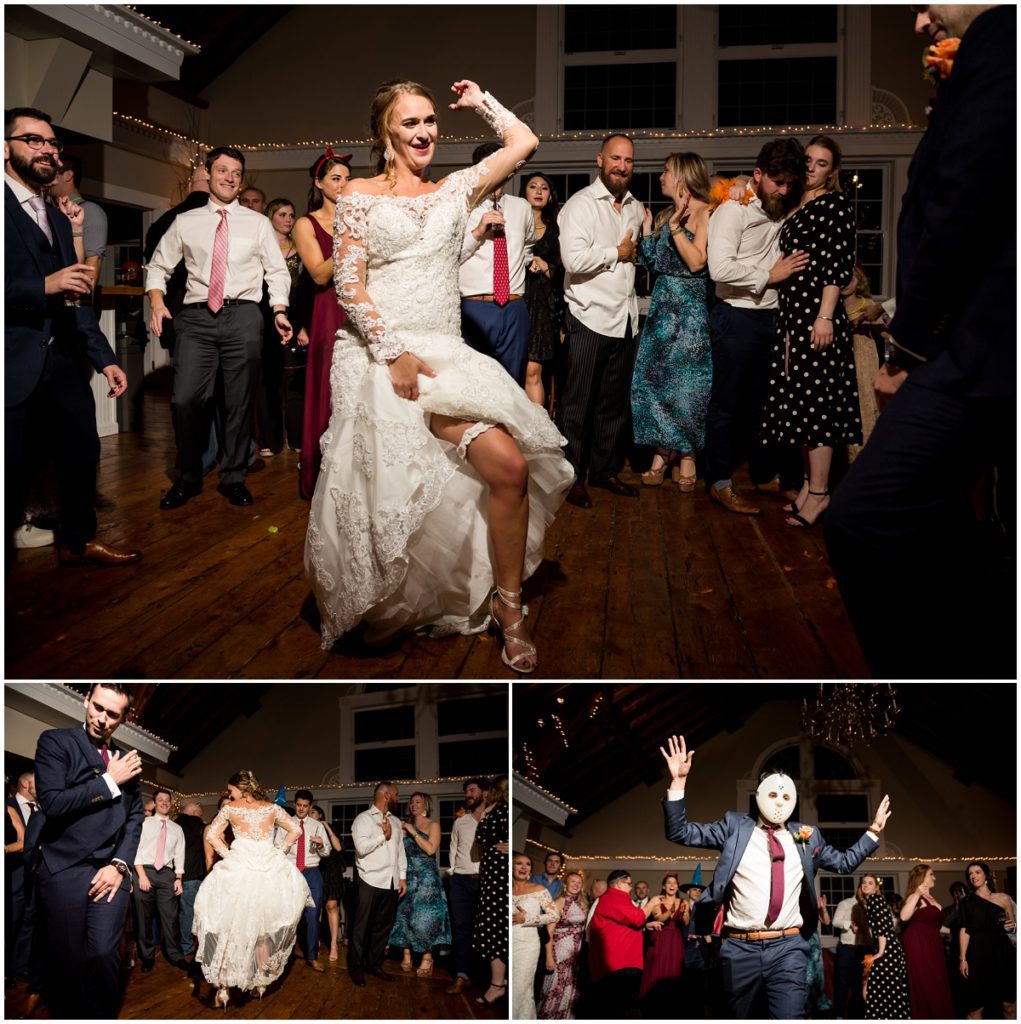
<point>168,994</point>
<point>666,586</point>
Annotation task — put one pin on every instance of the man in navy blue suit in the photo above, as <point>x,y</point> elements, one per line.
<point>763,888</point>
<point>47,343</point>
<point>901,531</point>
<point>89,792</point>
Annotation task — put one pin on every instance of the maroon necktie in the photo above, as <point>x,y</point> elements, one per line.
<point>301,847</point>
<point>775,878</point>
<point>501,271</point>
<point>105,751</point>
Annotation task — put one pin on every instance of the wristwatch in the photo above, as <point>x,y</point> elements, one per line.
<point>121,867</point>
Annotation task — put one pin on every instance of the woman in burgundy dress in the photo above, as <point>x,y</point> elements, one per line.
<point>660,994</point>
<point>922,916</point>
<point>313,238</point>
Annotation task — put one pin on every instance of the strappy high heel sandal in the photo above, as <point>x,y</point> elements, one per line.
<point>425,969</point>
<point>511,599</point>
<point>801,522</point>
<point>222,997</point>
<point>685,483</point>
<point>406,963</point>
<point>791,508</point>
<point>483,1001</point>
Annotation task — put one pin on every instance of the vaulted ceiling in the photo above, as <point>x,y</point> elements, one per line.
<point>614,730</point>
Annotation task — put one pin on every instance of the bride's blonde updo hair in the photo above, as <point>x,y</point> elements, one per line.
<point>387,97</point>
<point>246,781</point>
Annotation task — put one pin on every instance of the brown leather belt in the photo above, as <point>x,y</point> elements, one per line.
<point>759,936</point>
<point>489,298</point>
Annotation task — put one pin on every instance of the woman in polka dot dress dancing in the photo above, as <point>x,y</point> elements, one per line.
<point>813,393</point>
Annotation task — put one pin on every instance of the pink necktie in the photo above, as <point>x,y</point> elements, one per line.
<point>218,270</point>
<point>301,848</point>
<point>501,272</point>
<point>104,750</point>
<point>39,205</point>
<point>776,856</point>
<point>161,845</point>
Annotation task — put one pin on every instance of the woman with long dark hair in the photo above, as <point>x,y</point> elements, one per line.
<point>987,958</point>
<point>812,399</point>
<point>313,238</point>
<point>439,476</point>
<point>544,283</point>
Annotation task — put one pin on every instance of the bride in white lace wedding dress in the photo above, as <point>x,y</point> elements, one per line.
<point>439,476</point>
<point>248,907</point>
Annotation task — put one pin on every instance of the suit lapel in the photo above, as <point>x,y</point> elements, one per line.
<point>31,234</point>
<point>91,753</point>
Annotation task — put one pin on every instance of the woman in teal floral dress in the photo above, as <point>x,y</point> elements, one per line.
<point>422,922</point>
<point>673,371</point>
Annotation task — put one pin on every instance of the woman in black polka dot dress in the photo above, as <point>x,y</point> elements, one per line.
<point>886,985</point>
<point>490,938</point>
<point>813,393</point>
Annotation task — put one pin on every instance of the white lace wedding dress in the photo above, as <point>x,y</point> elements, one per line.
<point>248,907</point>
<point>397,535</point>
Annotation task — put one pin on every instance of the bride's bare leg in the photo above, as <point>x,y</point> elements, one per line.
<point>497,459</point>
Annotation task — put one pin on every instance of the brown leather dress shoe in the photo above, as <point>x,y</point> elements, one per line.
<point>315,965</point>
<point>460,984</point>
<point>733,502</point>
<point>615,485</point>
<point>98,553</point>
<point>578,496</point>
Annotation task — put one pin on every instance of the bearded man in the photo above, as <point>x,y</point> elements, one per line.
<point>599,228</point>
<point>763,888</point>
<point>746,264</point>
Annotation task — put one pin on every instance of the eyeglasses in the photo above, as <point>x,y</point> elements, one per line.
<point>36,142</point>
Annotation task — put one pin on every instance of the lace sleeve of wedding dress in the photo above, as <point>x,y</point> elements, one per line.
<point>290,826</point>
<point>350,258</point>
<point>547,914</point>
<point>217,827</point>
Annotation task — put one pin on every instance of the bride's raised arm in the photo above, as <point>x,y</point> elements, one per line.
<point>519,141</point>
<point>289,825</point>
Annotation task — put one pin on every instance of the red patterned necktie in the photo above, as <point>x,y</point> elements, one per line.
<point>218,269</point>
<point>776,857</point>
<point>501,272</point>
<point>161,846</point>
<point>105,751</point>
<point>301,847</point>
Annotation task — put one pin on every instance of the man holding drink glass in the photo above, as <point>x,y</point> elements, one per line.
<point>306,854</point>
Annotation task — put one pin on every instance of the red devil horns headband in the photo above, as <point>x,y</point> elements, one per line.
<point>330,155</point>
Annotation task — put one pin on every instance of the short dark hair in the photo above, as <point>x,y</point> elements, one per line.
<point>479,780</point>
<point>782,158</point>
<point>11,114</point>
<point>615,135</point>
<point>616,875</point>
<point>156,793</point>
<point>117,688</point>
<point>255,188</point>
<point>554,853</point>
<point>304,794</point>
<point>234,154</point>
<point>69,162</point>
<point>486,149</point>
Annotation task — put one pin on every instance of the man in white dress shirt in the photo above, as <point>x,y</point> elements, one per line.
<point>464,882</point>
<point>497,248</point>
<point>381,879</point>
<point>746,264</point>
<point>306,853</point>
<point>159,871</point>
<point>228,252</point>
<point>598,230</point>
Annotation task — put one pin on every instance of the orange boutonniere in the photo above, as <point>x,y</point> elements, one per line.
<point>939,58</point>
<point>720,194</point>
<point>868,964</point>
<point>803,834</point>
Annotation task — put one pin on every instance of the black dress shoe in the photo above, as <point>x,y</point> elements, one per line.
<point>147,966</point>
<point>358,977</point>
<point>179,495</point>
<point>378,972</point>
<point>236,494</point>
<point>615,485</point>
<point>578,496</point>
<point>256,465</point>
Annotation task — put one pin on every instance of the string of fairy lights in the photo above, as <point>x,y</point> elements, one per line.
<point>163,28</point>
<point>139,123</point>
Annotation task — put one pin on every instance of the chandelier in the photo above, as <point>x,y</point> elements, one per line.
<point>850,712</point>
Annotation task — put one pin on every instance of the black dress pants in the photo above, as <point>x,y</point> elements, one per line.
<point>160,899</point>
<point>63,399</point>
<point>374,912</point>
<point>742,340</point>
<point>903,541</point>
<point>595,402</point>
<point>231,339</point>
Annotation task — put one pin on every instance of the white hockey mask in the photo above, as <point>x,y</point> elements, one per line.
<point>776,797</point>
